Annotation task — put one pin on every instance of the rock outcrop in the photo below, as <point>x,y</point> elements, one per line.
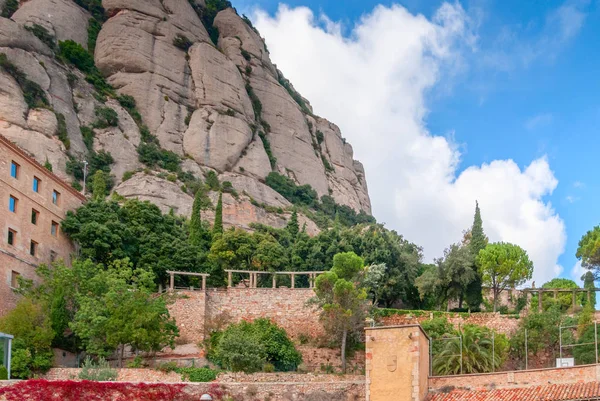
<point>221,107</point>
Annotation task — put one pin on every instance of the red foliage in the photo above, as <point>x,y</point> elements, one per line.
<point>68,390</point>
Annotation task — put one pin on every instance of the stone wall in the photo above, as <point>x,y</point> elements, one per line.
<point>517,379</point>
<point>500,323</point>
<point>273,386</point>
<point>315,359</point>
<point>193,310</point>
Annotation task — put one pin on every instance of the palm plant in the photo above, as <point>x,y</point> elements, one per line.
<point>479,354</point>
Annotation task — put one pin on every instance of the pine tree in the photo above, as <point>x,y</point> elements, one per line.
<point>218,227</point>
<point>477,242</point>
<point>292,226</point>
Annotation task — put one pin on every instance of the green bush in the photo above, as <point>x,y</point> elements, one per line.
<point>212,180</point>
<point>48,165</point>
<point>42,34</point>
<point>268,151</point>
<point>249,346</point>
<point>167,367</point>
<point>94,27</point>
<point>327,165</point>
<point>9,8</point>
<point>3,373</point>
<point>152,155</point>
<point>245,54</point>
<point>88,137</point>
<point>298,195</point>
<point>106,117</point>
<point>75,54</point>
<point>208,13</point>
<point>182,42</point>
<point>34,95</point>
<point>127,175</point>
<point>256,103</point>
<point>320,137</point>
<point>94,7</point>
<point>61,130</point>
<point>97,371</point>
<point>197,374</point>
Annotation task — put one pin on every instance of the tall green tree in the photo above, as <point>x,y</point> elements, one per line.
<point>343,303</point>
<point>589,251</point>
<point>588,282</point>
<point>477,242</point>
<point>503,265</point>
<point>292,226</point>
<point>450,277</point>
<point>198,232</point>
<point>218,226</point>
<point>99,185</point>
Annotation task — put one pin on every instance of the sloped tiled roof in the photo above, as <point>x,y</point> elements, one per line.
<point>550,392</point>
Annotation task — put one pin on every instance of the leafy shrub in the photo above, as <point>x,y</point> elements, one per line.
<point>326,163</point>
<point>295,95</point>
<point>197,374</point>
<point>127,175</point>
<point>3,373</point>
<point>256,103</point>
<point>268,368</point>
<point>208,13</point>
<point>61,130</point>
<point>48,165</point>
<point>171,177</point>
<point>182,42</point>
<point>249,346</point>
<point>88,137</point>
<point>97,371</point>
<point>245,54</point>
<point>9,8</point>
<point>94,27</point>
<point>268,151</point>
<point>320,137</point>
<point>33,93</point>
<point>106,117</point>
<point>75,54</point>
<point>76,185</point>
<point>298,195</point>
<point>137,362</point>
<point>152,155</point>
<point>212,180</point>
<point>94,7</point>
<point>42,34</point>
<point>227,187</point>
<point>167,367</point>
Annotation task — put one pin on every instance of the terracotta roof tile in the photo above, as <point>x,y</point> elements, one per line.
<point>551,392</point>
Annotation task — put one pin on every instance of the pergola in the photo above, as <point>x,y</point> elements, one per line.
<point>253,275</point>
<point>5,347</point>
<point>555,291</point>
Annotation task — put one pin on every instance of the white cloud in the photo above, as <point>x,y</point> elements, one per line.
<point>571,198</point>
<point>577,272</point>
<point>578,184</point>
<point>539,121</point>
<point>373,84</point>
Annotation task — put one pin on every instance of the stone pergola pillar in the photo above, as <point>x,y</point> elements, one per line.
<point>171,281</point>
<point>229,279</point>
<point>274,280</point>
<point>293,280</point>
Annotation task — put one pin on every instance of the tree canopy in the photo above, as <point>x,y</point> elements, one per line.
<point>503,265</point>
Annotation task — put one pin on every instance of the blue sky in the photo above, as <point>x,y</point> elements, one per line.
<point>522,85</point>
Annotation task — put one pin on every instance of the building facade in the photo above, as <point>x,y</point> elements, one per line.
<point>34,201</point>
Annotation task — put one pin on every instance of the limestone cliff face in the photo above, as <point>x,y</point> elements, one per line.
<point>223,107</point>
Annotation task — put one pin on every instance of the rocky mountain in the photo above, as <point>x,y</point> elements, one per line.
<point>177,91</point>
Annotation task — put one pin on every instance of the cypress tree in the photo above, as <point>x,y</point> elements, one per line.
<point>292,226</point>
<point>218,227</point>
<point>99,185</point>
<point>196,230</point>
<point>588,282</point>
<point>478,242</point>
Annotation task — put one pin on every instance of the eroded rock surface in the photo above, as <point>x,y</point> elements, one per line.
<point>219,106</point>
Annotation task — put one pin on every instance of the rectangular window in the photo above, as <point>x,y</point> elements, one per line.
<point>35,215</point>
<point>52,256</point>
<point>14,170</point>
<point>12,204</point>
<point>37,183</point>
<point>55,197</point>
<point>12,237</point>
<point>54,229</point>
<point>14,279</point>
<point>33,248</point>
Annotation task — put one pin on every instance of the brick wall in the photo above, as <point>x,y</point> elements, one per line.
<point>500,323</point>
<point>189,311</point>
<point>518,379</point>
